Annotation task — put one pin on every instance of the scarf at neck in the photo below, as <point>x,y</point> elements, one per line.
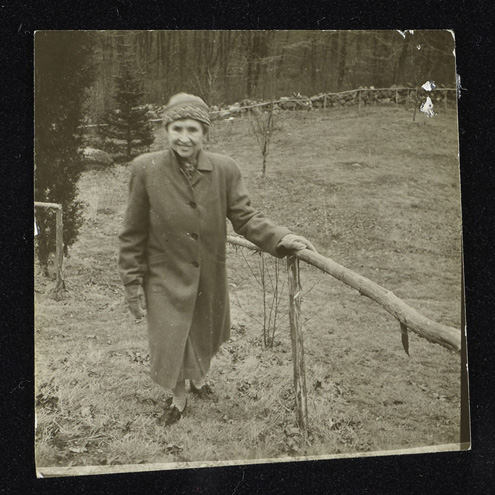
<point>188,167</point>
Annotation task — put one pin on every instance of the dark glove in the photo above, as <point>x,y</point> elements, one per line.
<point>291,242</point>
<point>135,299</point>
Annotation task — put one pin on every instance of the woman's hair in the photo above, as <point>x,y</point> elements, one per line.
<point>206,128</point>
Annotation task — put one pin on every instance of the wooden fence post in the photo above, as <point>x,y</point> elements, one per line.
<point>59,241</point>
<point>325,103</point>
<point>359,101</point>
<point>296,335</point>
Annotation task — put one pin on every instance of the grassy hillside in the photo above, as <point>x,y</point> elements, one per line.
<point>377,193</point>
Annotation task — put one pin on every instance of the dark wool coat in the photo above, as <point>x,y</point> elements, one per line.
<point>173,242</point>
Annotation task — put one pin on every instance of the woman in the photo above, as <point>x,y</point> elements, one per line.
<point>173,246</point>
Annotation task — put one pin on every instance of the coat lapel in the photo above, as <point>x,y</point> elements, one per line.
<point>204,165</point>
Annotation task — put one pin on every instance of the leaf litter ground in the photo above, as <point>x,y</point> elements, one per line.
<point>377,193</point>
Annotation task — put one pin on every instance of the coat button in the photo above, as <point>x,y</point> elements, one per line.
<point>194,235</point>
<point>195,264</point>
<point>192,204</point>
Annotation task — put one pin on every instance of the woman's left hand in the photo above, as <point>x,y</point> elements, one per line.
<point>292,242</point>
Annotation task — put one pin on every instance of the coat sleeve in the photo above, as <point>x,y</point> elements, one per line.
<point>134,236</point>
<point>248,222</point>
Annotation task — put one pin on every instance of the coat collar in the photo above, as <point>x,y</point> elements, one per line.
<point>204,162</point>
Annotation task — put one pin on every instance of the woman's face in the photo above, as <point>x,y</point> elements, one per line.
<point>185,137</point>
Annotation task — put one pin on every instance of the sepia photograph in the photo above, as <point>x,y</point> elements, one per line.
<point>248,248</point>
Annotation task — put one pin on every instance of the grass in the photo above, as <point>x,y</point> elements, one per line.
<point>375,192</point>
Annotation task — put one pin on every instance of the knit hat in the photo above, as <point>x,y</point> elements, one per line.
<point>186,106</point>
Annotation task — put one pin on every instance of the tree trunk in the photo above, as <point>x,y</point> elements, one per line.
<point>313,66</point>
<point>342,58</point>
<point>399,73</point>
<point>334,46</point>
<point>249,65</point>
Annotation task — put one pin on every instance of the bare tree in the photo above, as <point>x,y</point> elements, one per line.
<point>262,126</point>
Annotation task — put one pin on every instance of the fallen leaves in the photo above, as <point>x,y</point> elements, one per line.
<point>173,449</point>
<point>85,411</point>
<point>78,450</point>
<point>47,401</point>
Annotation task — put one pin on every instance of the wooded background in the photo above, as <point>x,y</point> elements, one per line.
<point>227,66</point>
<point>81,76</point>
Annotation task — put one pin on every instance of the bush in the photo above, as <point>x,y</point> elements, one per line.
<point>62,74</point>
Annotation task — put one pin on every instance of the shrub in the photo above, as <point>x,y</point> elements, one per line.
<point>62,74</point>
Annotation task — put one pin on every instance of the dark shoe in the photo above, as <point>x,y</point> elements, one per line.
<point>171,414</point>
<point>205,392</point>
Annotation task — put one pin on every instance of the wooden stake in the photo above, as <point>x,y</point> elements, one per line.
<point>404,337</point>
<point>359,96</point>
<point>325,103</point>
<point>296,335</point>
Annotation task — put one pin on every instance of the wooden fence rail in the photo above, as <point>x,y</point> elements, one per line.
<point>324,96</point>
<point>409,318</point>
<point>308,99</point>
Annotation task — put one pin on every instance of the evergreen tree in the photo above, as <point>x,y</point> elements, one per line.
<point>62,75</point>
<point>127,125</point>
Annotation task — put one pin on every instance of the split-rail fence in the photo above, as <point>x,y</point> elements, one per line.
<point>408,317</point>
